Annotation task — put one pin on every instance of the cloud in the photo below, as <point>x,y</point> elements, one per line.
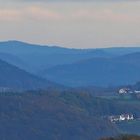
<point>105,15</point>
<point>65,13</point>
<point>26,13</point>
<point>118,13</point>
<point>9,14</point>
<point>63,1</point>
<point>40,13</point>
<point>71,22</point>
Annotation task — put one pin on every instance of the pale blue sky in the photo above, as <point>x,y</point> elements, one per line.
<point>71,23</point>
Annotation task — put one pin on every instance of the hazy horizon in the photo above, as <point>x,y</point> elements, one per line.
<point>57,45</point>
<point>72,24</point>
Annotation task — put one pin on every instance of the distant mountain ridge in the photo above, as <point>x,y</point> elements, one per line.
<point>75,67</point>
<point>38,58</point>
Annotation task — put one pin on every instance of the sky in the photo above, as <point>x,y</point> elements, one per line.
<point>71,23</point>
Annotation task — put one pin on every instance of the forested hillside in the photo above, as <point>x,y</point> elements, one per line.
<point>50,115</point>
<point>54,114</point>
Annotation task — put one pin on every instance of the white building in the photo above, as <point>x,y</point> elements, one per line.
<point>136,91</point>
<point>123,91</point>
<point>122,117</point>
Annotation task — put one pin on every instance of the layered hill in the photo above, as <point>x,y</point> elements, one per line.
<point>15,78</point>
<point>75,67</point>
<point>13,59</point>
<point>114,71</point>
<point>36,58</point>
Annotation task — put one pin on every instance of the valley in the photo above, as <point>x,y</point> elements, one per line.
<point>58,93</point>
<point>69,70</point>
